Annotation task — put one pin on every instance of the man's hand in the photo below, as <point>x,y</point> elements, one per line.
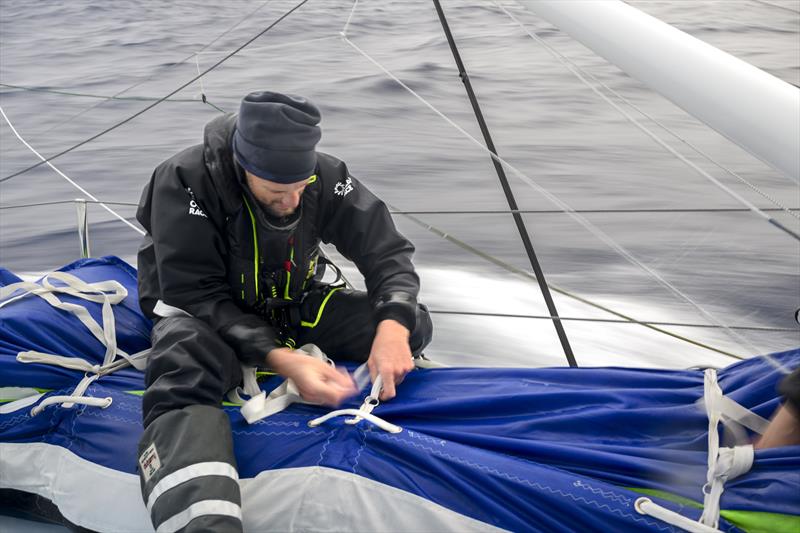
<point>317,381</point>
<point>390,356</point>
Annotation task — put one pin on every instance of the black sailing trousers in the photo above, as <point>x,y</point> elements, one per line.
<point>186,461</point>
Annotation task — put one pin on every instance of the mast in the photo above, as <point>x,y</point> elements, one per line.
<point>752,108</point>
<point>512,203</point>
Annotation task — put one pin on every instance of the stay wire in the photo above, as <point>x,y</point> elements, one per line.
<point>777,6</point>
<point>527,276</point>
<point>607,320</point>
<point>575,70</point>
<point>160,70</point>
<point>483,211</point>
<point>512,203</point>
<point>88,95</point>
<point>70,180</point>
<point>586,224</point>
<point>151,106</point>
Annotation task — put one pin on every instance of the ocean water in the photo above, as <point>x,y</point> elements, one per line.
<point>61,61</point>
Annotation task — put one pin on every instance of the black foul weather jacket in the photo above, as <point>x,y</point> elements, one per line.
<point>211,251</point>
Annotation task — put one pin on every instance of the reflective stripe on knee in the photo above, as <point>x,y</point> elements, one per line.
<point>187,474</point>
<point>187,471</point>
<point>197,510</point>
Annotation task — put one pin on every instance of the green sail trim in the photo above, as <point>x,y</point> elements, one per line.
<point>37,389</point>
<point>750,521</point>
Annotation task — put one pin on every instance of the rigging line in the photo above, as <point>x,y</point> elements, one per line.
<point>594,230</point>
<point>87,95</point>
<point>84,191</point>
<point>270,46</point>
<point>203,96</point>
<point>569,62</point>
<point>770,4</point>
<point>512,202</point>
<point>586,211</point>
<point>474,212</point>
<point>60,202</point>
<point>661,143</point>
<point>151,106</point>
<point>349,18</point>
<point>527,276</point>
<point>609,320</point>
<point>160,70</point>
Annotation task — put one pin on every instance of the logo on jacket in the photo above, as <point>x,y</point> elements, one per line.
<point>342,189</point>
<point>194,209</point>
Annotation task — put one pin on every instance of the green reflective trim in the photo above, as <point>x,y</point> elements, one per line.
<point>750,521</point>
<point>757,522</point>
<point>286,289</point>
<point>255,242</point>
<point>311,179</point>
<point>666,496</point>
<point>263,373</point>
<point>288,276</point>
<point>141,393</point>
<point>321,309</point>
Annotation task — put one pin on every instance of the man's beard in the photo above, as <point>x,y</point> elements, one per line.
<point>277,211</point>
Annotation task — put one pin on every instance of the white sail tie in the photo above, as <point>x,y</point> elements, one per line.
<point>260,405</point>
<point>724,463</point>
<point>107,293</point>
<point>361,377</point>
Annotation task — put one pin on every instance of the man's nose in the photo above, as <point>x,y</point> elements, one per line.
<point>292,199</point>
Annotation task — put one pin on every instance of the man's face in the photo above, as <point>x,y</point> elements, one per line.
<point>278,199</point>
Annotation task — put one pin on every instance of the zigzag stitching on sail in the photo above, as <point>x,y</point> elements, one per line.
<point>532,484</point>
<point>606,494</point>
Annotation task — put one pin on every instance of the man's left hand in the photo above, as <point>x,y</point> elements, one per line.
<point>390,356</point>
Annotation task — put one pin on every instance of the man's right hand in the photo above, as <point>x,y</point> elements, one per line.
<point>317,381</point>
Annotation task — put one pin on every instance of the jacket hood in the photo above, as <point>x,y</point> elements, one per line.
<point>218,156</point>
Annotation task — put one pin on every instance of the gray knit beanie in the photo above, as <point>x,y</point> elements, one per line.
<point>276,135</point>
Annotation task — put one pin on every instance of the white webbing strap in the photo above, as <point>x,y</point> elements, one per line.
<point>648,507</point>
<point>106,293</point>
<point>260,405</point>
<point>369,417</point>
<point>361,378</point>
<point>723,463</point>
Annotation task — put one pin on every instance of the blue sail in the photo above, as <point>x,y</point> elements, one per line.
<point>522,449</point>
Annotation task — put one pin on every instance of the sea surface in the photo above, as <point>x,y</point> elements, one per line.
<point>61,62</point>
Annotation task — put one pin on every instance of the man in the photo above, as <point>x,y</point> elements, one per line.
<point>230,270</point>
<point>784,427</point>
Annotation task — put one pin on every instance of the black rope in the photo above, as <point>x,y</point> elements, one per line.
<point>151,106</point>
<point>512,203</point>
<point>612,321</point>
